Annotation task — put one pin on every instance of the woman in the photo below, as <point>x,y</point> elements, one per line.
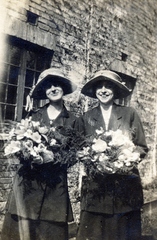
<point>41,210</point>
<point>110,204</point>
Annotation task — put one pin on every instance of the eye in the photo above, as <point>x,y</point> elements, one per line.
<point>109,86</point>
<point>48,85</point>
<point>57,90</point>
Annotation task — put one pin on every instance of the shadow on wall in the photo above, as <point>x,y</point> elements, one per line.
<point>149,221</point>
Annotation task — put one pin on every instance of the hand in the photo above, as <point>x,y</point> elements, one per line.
<point>105,169</point>
<point>82,155</point>
<point>48,156</point>
<point>37,160</point>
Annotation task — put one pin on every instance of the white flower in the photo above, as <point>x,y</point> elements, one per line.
<point>128,164</point>
<point>43,130</point>
<point>20,133</point>
<point>115,153</point>
<point>126,152</point>
<point>103,157</point>
<point>119,139</point>
<point>99,132</point>
<point>99,146</point>
<point>34,153</point>
<point>40,148</point>
<point>11,134</point>
<point>53,129</point>
<point>35,136</point>
<point>53,142</point>
<point>100,168</point>
<point>24,123</point>
<point>28,144</point>
<point>13,147</point>
<point>35,124</point>
<point>86,150</point>
<point>121,157</point>
<point>118,164</point>
<point>109,133</point>
<point>134,157</point>
<point>95,158</point>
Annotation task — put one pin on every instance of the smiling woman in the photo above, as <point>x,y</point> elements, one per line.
<point>40,209</point>
<point>108,210</point>
<point>105,92</point>
<point>54,92</point>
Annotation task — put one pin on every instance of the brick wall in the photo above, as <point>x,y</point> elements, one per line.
<point>91,35</point>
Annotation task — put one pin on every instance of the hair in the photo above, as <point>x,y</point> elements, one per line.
<point>57,82</point>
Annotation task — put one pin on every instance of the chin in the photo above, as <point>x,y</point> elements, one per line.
<point>106,102</point>
<point>55,99</point>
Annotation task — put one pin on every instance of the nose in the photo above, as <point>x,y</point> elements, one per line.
<point>103,88</point>
<point>53,89</point>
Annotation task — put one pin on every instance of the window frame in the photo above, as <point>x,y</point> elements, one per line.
<point>25,47</point>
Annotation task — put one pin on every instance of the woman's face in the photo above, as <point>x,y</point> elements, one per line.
<point>105,92</point>
<point>54,92</point>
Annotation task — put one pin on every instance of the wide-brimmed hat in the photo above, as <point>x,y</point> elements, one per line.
<point>121,90</point>
<point>52,75</point>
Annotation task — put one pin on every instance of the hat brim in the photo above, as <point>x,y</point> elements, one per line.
<point>39,92</point>
<point>89,89</point>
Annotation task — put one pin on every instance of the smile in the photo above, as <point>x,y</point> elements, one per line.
<point>54,93</point>
<point>104,94</point>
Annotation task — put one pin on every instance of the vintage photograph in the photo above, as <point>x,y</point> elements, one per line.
<point>78,120</point>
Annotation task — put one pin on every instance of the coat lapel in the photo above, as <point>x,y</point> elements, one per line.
<point>115,118</point>
<point>115,121</point>
<point>97,119</point>
<point>59,121</point>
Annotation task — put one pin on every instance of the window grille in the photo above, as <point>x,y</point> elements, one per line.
<point>23,63</point>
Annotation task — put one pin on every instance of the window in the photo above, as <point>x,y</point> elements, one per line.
<point>120,66</point>
<point>32,18</point>
<point>130,83</point>
<point>23,63</point>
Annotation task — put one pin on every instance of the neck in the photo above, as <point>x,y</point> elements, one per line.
<point>56,105</point>
<point>54,109</point>
<point>106,106</point>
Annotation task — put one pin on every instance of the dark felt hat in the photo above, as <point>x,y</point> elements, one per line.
<point>52,75</point>
<point>121,90</point>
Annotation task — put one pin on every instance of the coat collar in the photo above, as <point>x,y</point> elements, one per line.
<point>115,118</point>
<point>58,121</point>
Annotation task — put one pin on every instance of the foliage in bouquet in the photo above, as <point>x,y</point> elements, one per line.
<point>34,144</point>
<point>109,152</point>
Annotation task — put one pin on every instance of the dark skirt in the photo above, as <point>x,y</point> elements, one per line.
<point>15,228</point>
<point>122,226</point>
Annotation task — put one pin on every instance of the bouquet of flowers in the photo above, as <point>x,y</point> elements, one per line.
<point>109,152</point>
<point>34,144</point>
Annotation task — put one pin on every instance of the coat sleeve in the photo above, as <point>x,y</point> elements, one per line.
<point>138,134</point>
<point>34,115</point>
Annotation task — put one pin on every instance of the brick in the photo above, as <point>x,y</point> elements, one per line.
<point>90,35</point>
<point>2,207</point>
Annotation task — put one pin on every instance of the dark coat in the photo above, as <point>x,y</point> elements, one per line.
<point>45,201</point>
<point>113,193</point>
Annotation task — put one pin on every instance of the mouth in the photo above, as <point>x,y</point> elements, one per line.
<point>53,93</point>
<point>104,94</point>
